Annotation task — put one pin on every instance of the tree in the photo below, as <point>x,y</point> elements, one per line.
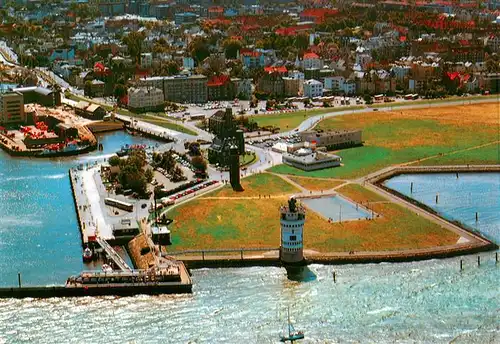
<point>199,49</point>
<point>114,160</point>
<point>194,149</point>
<point>134,44</point>
<point>177,175</point>
<point>148,174</point>
<point>368,99</point>
<point>120,91</point>
<point>302,41</point>
<point>231,48</point>
<point>199,164</point>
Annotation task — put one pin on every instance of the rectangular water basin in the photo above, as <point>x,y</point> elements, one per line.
<point>337,208</point>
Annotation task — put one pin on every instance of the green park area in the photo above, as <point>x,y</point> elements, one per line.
<point>316,184</point>
<point>225,219</point>
<point>291,120</point>
<point>164,123</point>
<point>444,135</point>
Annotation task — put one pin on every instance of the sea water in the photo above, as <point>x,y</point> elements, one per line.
<point>421,302</point>
<point>39,235</point>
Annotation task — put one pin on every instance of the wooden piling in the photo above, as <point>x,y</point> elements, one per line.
<point>411,187</point>
<point>477,217</point>
<point>19,279</point>
<point>334,277</point>
<point>461,264</point>
<point>496,257</point>
<point>437,198</point>
<point>478,260</point>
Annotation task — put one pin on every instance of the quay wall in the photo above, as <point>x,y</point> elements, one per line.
<point>103,126</point>
<point>62,291</point>
<point>379,177</point>
<point>338,258</point>
<point>377,181</point>
<point>83,236</point>
<point>398,257</point>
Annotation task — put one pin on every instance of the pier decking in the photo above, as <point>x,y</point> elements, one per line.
<point>113,255</point>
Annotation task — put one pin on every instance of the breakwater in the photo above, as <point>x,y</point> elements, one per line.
<point>103,290</point>
<point>477,241</point>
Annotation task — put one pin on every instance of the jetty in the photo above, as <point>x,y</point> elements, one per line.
<point>172,279</point>
<point>113,255</point>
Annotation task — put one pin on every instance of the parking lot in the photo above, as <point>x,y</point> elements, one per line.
<point>268,143</point>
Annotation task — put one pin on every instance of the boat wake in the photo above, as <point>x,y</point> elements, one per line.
<point>54,176</point>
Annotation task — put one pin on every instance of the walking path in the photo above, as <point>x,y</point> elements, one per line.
<point>466,237</point>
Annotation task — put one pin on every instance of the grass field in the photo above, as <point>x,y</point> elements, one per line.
<point>233,221</point>
<point>485,155</point>
<point>289,121</point>
<point>257,184</point>
<point>409,135</point>
<point>315,184</point>
<point>247,159</point>
<point>360,194</point>
<point>164,123</point>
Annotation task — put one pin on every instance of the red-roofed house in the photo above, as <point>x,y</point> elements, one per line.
<point>215,11</point>
<point>281,69</point>
<point>252,58</point>
<point>292,30</point>
<point>311,60</point>
<point>220,87</point>
<point>493,42</point>
<point>317,15</point>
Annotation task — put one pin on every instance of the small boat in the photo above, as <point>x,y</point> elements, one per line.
<point>87,255</point>
<point>293,335</point>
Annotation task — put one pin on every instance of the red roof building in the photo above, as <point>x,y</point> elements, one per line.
<point>281,69</point>
<point>317,15</point>
<point>220,87</point>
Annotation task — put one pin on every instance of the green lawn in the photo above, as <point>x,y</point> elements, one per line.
<point>247,159</point>
<point>164,123</point>
<point>251,223</point>
<point>484,155</point>
<point>257,184</point>
<point>409,135</point>
<point>289,121</point>
<point>433,101</point>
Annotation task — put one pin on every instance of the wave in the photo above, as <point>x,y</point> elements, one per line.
<point>14,221</point>
<point>54,176</point>
<point>96,157</point>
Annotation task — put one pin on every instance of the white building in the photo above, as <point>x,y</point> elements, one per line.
<point>313,88</point>
<point>145,98</point>
<point>146,60</point>
<point>349,87</point>
<point>296,74</point>
<point>312,60</point>
<point>334,83</point>
<point>188,63</point>
<point>292,219</point>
